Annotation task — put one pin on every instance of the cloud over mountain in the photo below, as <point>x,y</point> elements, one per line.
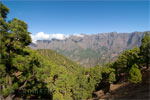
<point>44,36</point>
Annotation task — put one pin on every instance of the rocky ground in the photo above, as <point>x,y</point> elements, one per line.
<point>127,90</point>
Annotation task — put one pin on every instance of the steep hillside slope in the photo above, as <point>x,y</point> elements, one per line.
<point>90,50</point>
<point>67,79</point>
<point>57,59</point>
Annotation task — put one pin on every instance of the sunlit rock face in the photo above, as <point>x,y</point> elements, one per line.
<point>90,50</point>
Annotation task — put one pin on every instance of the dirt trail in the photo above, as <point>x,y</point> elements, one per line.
<point>127,90</point>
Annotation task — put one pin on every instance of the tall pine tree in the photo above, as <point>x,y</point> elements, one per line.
<point>19,66</point>
<point>145,50</point>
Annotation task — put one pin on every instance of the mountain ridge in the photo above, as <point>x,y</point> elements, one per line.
<point>93,49</point>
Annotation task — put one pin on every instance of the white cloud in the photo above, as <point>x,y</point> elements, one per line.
<point>33,38</point>
<point>44,36</point>
<point>58,36</point>
<point>78,35</point>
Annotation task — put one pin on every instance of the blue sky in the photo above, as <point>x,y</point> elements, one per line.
<point>69,17</point>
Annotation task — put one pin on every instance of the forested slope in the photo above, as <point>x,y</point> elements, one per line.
<point>46,74</point>
<point>67,79</point>
<point>43,74</point>
<point>59,60</point>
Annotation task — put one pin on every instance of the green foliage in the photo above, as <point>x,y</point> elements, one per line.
<point>24,69</point>
<point>145,50</point>
<point>135,74</point>
<point>127,62</point>
<point>94,77</point>
<point>127,59</point>
<point>108,74</point>
<point>95,74</point>
<point>3,10</point>
<point>58,59</point>
<point>19,66</point>
<point>112,77</point>
<point>68,80</point>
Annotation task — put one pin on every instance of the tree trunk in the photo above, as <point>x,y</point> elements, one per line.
<point>147,62</point>
<point>147,65</point>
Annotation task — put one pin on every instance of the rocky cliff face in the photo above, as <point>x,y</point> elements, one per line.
<point>91,50</point>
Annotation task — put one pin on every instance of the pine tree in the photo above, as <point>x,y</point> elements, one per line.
<point>145,50</point>
<point>19,66</point>
<point>135,74</point>
<point>127,59</point>
<point>108,77</point>
<point>112,77</point>
<point>3,11</point>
